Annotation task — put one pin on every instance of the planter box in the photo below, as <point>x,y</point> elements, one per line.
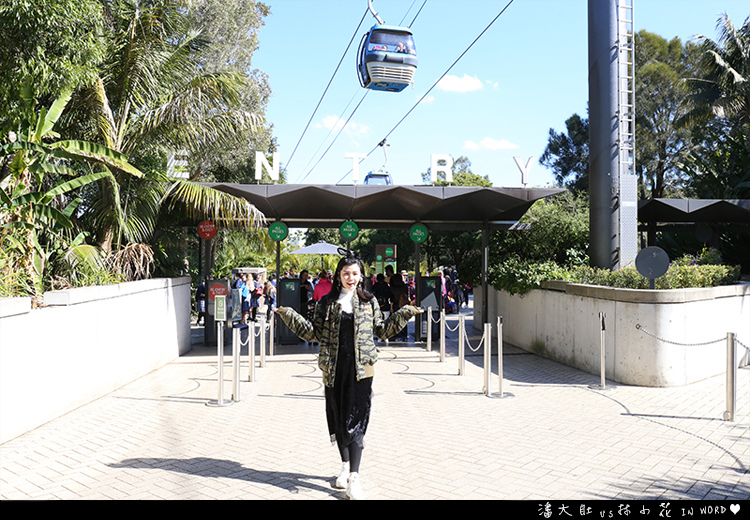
<point>656,338</point>
<point>85,343</point>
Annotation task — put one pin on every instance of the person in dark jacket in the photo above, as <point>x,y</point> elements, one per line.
<point>344,323</point>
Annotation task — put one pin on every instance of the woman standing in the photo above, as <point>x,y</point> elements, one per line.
<point>344,323</point>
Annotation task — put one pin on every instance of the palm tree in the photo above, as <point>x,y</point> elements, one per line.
<point>33,167</point>
<point>150,99</point>
<point>724,90</point>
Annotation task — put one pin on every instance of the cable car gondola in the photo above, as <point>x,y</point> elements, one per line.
<point>387,57</point>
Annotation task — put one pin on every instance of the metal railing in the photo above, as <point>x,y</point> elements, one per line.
<point>731,367</point>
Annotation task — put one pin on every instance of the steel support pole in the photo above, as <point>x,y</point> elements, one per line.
<point>262,341</point>
<point>731,390</point>
<point>442,335</point>
<point>603,133</point>
<point>487,358</point>
<point>271,327</point>
<point>602,355</point>
<point>251,353</point>
<point>236,334</point>
<point>220,360</point>
<point>429,329</point>
<point>461,334</point>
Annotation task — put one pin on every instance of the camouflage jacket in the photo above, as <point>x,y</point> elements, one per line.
<point>324,328</point>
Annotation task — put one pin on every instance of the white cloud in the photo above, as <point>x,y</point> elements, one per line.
<point>335,124</point>
<point>489,143</point>
<point>464,84</point>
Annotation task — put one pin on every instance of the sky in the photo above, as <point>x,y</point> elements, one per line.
<point>524,75</point>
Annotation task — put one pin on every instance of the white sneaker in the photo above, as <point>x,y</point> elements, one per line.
<point>343,478</point>
<point>354,489</point>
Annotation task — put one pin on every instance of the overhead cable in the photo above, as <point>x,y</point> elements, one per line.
<point>436,83</point>
<point>356,31</point>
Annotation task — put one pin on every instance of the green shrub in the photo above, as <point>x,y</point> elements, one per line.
<point>516,276</point>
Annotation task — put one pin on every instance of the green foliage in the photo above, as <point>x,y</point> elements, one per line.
<point>559,232</point>
<point>567,155</point>
<point>517,276</point>
<point>51,44</point>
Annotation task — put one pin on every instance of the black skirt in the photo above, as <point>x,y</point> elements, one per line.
<point>349,401</point>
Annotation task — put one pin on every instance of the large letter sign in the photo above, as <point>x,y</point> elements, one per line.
<point>435,168</point>
<point>261,162</point>
<point>356,157</point>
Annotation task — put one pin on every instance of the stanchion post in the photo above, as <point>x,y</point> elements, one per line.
<point>251,353</point>
<point>429,329</point>
<point>503,395</point>
<point>602,355</point>
<point>262,341</point>
<point>271,332</point>
<point>236,347</point>
<point>442,335</point>
<point>220,359</point>
<point>461,334</point>
<point>487,358</point>
<point>731,390</point>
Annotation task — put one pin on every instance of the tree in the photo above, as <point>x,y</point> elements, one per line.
<point>719,100</point>
<point>567,155</point>
<point>723,90</point>
<point>50,44</point>
<point>462,174</point>
<point>151,98</point>
<point>661,142</point>
<point>456,248</point>
<point>31,189</point>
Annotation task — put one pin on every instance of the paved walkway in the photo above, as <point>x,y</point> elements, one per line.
<point>433,435</point>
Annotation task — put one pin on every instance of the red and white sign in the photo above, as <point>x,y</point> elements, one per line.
<point>207,229</point>
<point>216,289</point>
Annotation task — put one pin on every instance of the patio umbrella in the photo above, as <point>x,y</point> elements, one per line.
<point>321,248</point>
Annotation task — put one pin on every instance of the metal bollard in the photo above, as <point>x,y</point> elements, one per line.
<point>503,395</point>
<point>429,329</point>
<point>262,342</point>
<point>271,332</point>
<point>731,377</point>
<point>237,329</point>
<point>220,359</point>
<point>487,358</point>
<point>461,334</point>
<point>442,335</point>
<point>602,368</point>
<point>251,353</point>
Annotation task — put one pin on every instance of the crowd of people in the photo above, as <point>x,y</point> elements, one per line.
<point>392,291</point>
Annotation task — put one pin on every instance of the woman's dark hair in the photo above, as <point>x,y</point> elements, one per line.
<point>348,259</point>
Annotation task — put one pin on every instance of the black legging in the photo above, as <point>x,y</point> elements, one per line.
<point>353,455</point>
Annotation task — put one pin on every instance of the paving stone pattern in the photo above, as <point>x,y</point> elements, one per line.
<point>433,434</point>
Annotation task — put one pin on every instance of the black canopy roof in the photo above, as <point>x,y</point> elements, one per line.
<point>720,211</point>
<point>394,207</point>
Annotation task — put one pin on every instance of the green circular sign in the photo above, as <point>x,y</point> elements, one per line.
<point>278,231</point>
<point>418,233</point>
<point>379,258</point>
<point>389,252</point>
<point>349,230</point>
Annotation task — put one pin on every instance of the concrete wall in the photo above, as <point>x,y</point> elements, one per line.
<point>84,344</point>
<point>561,322</point>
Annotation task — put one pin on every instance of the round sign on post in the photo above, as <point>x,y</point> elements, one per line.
<point>418,233</point>
<point>652,262</point>
<point>278,231</point>
<point>207,229</point>
<point>349,230</point>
